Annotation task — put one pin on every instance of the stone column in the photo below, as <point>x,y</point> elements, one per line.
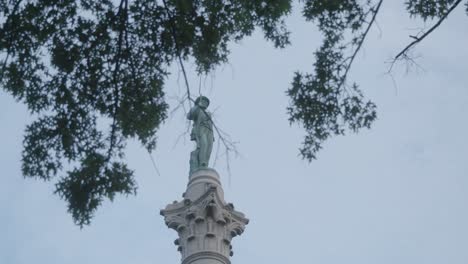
<point>204,222</point>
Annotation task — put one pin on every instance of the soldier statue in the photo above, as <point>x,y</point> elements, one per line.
<point>202,134</point>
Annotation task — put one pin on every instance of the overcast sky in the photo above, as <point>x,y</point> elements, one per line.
<point>397,193</point>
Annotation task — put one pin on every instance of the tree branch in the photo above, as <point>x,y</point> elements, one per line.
<point>419,39</point>
<point>178,51</point>
<point>363,37</point>
<point>123,14</point>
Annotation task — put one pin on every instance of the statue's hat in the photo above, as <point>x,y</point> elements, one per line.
<point>201,97</point>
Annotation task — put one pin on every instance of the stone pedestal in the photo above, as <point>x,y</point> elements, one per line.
<point>204,222</point>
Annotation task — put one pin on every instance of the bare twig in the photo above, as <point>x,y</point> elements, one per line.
<point>180,104</point>
<point>379,28</point>
<point>182,135</point>
<point>154,163</point>
<point>394,83</point>
<point>217,153</point>
<point>411,63</point>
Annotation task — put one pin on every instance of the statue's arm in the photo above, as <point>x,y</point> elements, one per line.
<point>192,113</point>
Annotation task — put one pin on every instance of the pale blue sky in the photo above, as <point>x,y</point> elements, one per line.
<point>397,193</point>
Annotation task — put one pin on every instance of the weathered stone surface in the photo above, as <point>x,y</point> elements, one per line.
<point>204,222</point>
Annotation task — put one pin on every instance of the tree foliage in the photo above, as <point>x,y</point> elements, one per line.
<point>77,64</point>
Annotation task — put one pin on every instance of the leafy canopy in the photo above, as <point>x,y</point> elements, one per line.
<point>76,63</point>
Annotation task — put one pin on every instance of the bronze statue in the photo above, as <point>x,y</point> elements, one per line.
<point>202,133</point>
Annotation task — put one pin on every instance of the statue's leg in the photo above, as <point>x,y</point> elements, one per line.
<point>205,150</point>
<point>209,147</point>
<point>202,154</point>
<point>194,160</point>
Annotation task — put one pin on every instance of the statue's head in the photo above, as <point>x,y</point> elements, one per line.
<point>202,101</point>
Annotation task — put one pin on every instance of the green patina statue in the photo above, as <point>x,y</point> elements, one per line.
<point>202,133</point>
